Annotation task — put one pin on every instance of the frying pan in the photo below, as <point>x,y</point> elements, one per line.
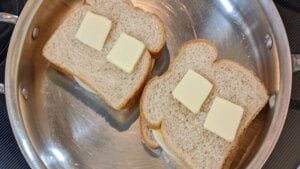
<point>59,125</point>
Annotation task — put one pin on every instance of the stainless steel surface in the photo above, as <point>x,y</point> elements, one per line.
<point>2,88</point>
<point>35,33</point>
<point>269,41</point>
<point>8,18</point>
<point>296,61</point>
<point>61,126</point>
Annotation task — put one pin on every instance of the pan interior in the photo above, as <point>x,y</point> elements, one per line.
<point>71,128</point>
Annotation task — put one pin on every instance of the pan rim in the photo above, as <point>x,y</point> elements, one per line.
<point>14,111</point>
<point>16,121</point>
<point>285,85</point>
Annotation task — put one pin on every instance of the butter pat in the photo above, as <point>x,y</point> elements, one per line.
<point>126,53</point>
<point>94,30</point>
<point>192,91</point>
<point>224,118</point>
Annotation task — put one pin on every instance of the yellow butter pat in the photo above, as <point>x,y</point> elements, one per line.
<point>224,118</point>
<point>192,91</point>
<point>94,30</point>
<point>126,53</point>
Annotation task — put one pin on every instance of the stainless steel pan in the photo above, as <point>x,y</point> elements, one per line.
<point>57,125</point>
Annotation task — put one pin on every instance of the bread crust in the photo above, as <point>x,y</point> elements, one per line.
<point>156,52</point>
<point>145,138</point>
<point>160,125</point>
<point>135,92</point>
<point>131,99</point>
<point>157,125</point>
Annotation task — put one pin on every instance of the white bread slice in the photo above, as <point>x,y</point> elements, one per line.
<point>117,88</point>
<point>182,130</point>
<point>147,135</point>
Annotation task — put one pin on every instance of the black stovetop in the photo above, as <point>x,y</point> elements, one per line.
<point>10,155</point>
<point>287,151</point>
<point>13,7</point>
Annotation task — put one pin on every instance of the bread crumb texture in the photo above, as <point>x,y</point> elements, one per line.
<point>182,130</point>
<point>114,86</point>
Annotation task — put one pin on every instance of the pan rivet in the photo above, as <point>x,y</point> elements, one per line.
<point>272,101</point>
<point>24,93</point>
<point>35,33</point>
<point>269,41</point>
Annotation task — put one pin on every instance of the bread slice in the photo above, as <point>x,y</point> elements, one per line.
<point>117,88</point>
<point>147,135</point>
<point>182,130</point>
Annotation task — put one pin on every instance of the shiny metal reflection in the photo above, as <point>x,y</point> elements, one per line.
<point>296,59</point>
<point>62,126</point>
<point>8,18</point>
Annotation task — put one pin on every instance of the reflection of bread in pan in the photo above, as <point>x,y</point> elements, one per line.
<point>117,88</point>
<point>182,130</point>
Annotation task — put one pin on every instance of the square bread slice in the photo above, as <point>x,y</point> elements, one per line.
<point>117,88</point>
<point>182,130</point>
